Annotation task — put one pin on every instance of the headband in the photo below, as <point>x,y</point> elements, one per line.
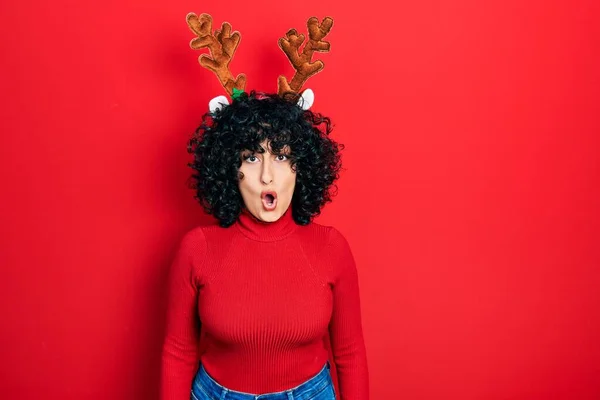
<point>223,43</point>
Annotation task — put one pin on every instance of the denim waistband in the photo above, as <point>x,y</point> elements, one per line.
<point>206,383</point>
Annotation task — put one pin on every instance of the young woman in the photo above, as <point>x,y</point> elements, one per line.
<point>271,293</point>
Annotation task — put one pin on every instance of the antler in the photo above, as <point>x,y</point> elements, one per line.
<point>302,61</point>
<point>222,46</point>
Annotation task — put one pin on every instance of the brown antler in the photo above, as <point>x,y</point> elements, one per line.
<point>222,47</point>
<point>302,61</point>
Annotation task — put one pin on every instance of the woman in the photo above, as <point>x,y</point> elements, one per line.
<point>266,287</point>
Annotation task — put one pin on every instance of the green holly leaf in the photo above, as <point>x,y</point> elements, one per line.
<point>236,93</point>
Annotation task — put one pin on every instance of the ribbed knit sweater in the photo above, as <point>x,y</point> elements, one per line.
<point>265,296</point>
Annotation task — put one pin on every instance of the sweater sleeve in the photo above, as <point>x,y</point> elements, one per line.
<point>179,361</point>
<point>345,328</point>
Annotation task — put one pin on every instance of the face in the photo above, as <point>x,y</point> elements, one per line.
<point>268,183</point>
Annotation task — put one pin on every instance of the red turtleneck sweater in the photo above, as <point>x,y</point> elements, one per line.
<point>266,295</point>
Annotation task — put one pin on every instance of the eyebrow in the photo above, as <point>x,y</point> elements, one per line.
<point>285,149</point>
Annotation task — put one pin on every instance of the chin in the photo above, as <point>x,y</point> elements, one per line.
<point>270,216</point>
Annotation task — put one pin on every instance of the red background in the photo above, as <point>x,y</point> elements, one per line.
<point>470,195</point>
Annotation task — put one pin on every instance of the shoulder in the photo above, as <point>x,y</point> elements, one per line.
<point>194,237</point>
<point>336,237</point>
<point>208,240</point>
<point>202,235</point>
<point>338,254</point>
<point>193,243</point>
<point>326,235</point>
<point>329,240</point>
<point>314,232</point>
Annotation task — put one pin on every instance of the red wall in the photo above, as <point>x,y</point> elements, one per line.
<point>470,195</point>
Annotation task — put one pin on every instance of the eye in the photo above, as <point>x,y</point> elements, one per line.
<point>250,158</point>
<point>282,155</point>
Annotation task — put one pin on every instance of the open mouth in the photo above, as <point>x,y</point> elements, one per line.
<point>269,200</point>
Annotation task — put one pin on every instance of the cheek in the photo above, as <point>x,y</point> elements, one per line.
<point>243,185</point>
<point>291,183</point>
<point>244,177</point>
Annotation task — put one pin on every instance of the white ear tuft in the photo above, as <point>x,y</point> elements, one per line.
<point>307,99</point>
<point>217,103</point>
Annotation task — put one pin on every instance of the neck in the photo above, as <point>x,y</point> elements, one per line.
<point>263,231</point>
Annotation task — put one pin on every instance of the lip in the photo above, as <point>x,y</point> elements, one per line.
<point>264,202</point>
<point>266,192</point>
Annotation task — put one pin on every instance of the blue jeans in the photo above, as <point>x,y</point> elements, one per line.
<point>319,387</point>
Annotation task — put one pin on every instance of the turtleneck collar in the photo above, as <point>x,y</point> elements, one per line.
<point>262,231</point>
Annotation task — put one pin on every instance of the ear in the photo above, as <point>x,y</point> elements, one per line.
<point>217,103</point>
<point>307,99</point>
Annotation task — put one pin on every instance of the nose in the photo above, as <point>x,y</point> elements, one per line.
<point>266,175</point>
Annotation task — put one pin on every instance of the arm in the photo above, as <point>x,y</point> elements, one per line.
<point>345,328</point>
<point>179,353</point>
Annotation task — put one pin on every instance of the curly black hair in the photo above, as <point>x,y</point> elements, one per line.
<point>250,119</point>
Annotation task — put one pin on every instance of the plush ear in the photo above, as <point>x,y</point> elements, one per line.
<point>217,103</point>
<point>307,99</point>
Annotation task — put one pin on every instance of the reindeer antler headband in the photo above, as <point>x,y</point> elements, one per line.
<point>223,43</point>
